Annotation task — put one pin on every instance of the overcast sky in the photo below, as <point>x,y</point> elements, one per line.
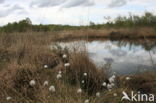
<point>72,12</point>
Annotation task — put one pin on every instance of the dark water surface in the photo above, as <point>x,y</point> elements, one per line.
<point>125,57</point>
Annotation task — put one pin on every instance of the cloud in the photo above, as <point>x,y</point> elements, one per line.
<point>117,3</point>
<point>74,3</point>
<point>118,52</point>
<point>46,3</point>
<point>8,11</point>
<point>1,1</point>
<point>64,3</point>
<point>75,12</point>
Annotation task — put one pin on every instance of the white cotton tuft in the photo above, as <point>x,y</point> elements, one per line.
<point>52,88</point>
<point>59,76</point>
<point>45,83</point>
<point>111,79</point>
<point>64,56</point>
<point>109,86</point>
<point>128,78</point>
<point>115,94</point>
<point>98,94</point>
<point>113,76</point>
<point>104,84</point>
<point>32,83</point>
<point>85,74</point>
<point>79,91</point>
<point>86,101</point>
<point>60,72</point>
<point>82,81</point>
<point>45,66</point>
<point>112,84</point>
<point>8,98</point>
<point>67,64</point>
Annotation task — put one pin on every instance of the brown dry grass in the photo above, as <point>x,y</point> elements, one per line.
<point>107,33</point>
<point>145,82</point>
<point>23,57</point>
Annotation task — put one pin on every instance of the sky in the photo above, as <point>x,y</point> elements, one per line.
<point>71,12</point>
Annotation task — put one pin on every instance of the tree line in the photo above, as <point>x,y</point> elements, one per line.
<point>146,20</point>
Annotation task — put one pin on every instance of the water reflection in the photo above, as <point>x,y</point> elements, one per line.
<point>126,57</point>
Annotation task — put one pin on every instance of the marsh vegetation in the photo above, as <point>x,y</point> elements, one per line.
<point>31,71</point>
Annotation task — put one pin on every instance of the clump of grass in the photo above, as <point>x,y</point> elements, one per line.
<point>84,72</point>
<point>144,82</point>
<point>27,64</point>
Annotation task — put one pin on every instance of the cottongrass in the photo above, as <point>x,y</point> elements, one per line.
<point>114,76</point>
<point>45,83</point>
<point>32,83</point>
<point>112,79</point>
<point>85,74</point>
<point>64,56</point>
<point>111,82</point>
<point>67,64</point>
<point>79,91</point>
<point>82,81</point>
<point>86,101</point>
<point>8,98</point>
<point>59,76</point>
<point>128,78</point>
<point>104,84</point>
<point>109,86</point>
<point>115,94</point>
<point>52,88</point>
<point>98,94</point>
<point>60,72</point>
<point>45,66</point>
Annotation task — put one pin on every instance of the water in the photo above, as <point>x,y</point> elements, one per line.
<point>125,57</point>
